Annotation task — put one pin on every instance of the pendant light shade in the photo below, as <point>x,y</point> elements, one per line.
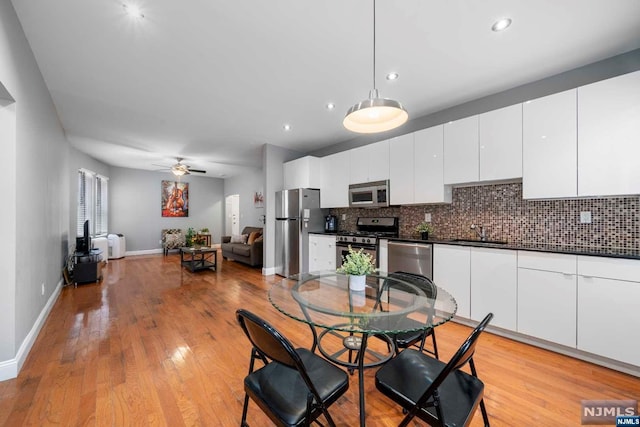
<point>375,114</point>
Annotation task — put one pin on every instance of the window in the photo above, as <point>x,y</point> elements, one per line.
<point>93,196</point>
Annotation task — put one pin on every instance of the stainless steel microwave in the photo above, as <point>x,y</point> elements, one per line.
<point>369,195</point>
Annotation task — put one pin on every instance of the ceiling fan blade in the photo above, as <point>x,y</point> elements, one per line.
<point>197,170</point>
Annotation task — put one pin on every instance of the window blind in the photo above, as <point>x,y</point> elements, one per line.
<point>93,196</point>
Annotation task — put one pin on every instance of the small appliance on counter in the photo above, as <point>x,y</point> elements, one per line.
<point>330,224</point>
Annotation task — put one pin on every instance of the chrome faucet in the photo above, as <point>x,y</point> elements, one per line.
<point>482,233</point>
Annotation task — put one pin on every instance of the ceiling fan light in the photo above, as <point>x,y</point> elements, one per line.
<point>375,115</point>
<point>178,172</point>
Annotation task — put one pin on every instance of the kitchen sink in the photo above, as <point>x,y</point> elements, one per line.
<point>480,242</point>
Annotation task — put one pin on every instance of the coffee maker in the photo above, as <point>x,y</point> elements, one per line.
<point>330,224</point>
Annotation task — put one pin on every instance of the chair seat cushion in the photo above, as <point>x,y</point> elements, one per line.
<point>282,391</point>
<point>243,250</point>
<point>406,377</point>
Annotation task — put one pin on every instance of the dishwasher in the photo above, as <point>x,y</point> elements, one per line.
<point>409,257</point>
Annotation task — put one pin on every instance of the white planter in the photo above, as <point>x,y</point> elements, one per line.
<point>357,283</point>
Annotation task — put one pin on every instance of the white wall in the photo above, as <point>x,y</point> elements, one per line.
<point>273,158</point>
<point>135,206</point>
<point>245,185</point>
<point>40,198</point>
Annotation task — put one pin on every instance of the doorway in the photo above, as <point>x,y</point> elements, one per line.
<point>232,210</point>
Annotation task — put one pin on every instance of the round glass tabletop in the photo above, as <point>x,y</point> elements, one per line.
<point>390,303</point>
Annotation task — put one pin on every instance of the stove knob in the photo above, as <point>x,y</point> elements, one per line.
<point>354,239</point>
<point>368,240</point>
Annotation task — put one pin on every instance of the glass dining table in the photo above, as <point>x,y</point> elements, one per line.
<point>347,319</point>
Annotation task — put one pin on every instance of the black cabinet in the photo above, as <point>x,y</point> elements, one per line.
<point>87,267</point>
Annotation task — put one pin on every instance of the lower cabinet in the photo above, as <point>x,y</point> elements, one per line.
<point>452,272</point>
<point>588,303</point>
<point>608,315</point>
<point>322,252</point>
<point>547,297</point>
<point>494,285</point>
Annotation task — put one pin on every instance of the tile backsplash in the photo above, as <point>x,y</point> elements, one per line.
<point>615,221</point>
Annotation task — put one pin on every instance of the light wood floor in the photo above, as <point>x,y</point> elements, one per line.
<point>156,345</point>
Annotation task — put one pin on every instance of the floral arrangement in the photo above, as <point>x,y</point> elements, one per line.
<point>424,227</point>
<point>357,263</point>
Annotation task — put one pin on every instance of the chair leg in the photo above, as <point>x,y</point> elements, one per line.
<point>243,423</point>
<point>483,409</point>
<point>435,345</point>
<point>485,417</point>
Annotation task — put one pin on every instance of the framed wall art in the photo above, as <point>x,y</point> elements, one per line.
<point>258,199</point>
<point>175,199</point>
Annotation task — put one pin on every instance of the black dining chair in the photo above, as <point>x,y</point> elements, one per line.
<point>437,393</point>
<point>410,283</point>
<point>295,386</point>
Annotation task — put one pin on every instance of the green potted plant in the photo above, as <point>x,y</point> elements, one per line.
<point>204,230</point>
<point>190,236</point>
<point>424,228</point>
<point>357,264</point>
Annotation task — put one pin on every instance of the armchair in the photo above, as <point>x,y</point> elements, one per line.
<point>172,238</point>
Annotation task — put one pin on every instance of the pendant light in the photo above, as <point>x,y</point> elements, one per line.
<point>375,114</point>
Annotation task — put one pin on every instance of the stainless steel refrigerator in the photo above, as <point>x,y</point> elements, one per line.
<point>297,213</point>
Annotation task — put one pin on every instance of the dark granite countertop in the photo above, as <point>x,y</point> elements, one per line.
<point>535,247</point>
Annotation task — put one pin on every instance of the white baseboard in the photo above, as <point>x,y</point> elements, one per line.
<point>268,271</point>
<point>10,368</point>
<point>143,252</point>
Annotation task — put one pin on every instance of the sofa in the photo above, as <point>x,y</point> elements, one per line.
<point>172,238</point>
<point>245,248</point>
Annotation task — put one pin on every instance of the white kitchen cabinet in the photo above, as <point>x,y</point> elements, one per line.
<point>302,173</point>
<point>428,167</point>
<point>500,139</point>
<point>609,136</point>
<point>608,315</point>
<point>547,296</point>
<point>383,255</point>
<point>549,146</point>
<point>334,191</point>
<point>401,173</point>
<point>369,163</point>
<point>461,157</point>
<point>494,284</point>
<point>452,272</point>
<point>322,252</point>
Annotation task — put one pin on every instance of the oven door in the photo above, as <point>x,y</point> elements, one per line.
<point>342,249</point>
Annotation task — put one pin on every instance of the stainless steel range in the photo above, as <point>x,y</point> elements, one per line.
<point>369,231</point>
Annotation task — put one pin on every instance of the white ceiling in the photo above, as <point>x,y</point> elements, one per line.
<point>212,81</point>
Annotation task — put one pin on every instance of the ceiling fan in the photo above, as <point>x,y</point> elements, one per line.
<point>180,168</point>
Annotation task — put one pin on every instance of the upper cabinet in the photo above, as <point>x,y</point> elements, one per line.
<point>416,168</point>
<point>583,142</point>
<point>487,147</point>
<point>302,173</point>
<point>334,191</point>
<point>500,139</point>
<point>461,161</point>
<point>401,173</point>
<point>428,162</point>
<point>369,163</point>
<point>550,145</point>
<point>609,137</point>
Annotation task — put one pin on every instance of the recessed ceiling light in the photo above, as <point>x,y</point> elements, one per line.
<point>133,11</point>
<point>501,24</point>
<point>392,76</point>
<point>331,106</point>
<point>287,127</point>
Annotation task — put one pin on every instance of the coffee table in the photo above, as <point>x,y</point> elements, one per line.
<point>196,259</point>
